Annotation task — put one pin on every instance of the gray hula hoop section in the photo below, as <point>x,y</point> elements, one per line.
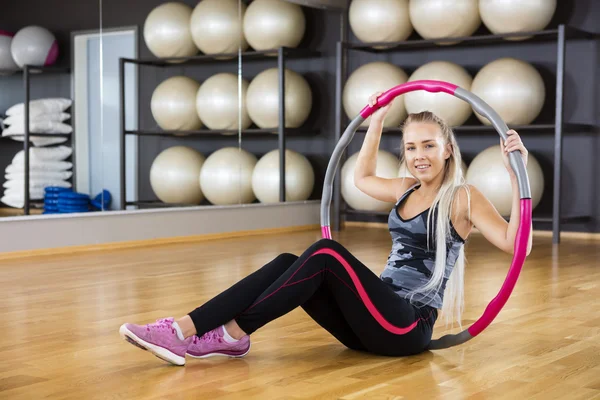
<point>333,166</point>
<point>516,161</point>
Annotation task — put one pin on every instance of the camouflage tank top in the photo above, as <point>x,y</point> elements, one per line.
<point>410,263</point>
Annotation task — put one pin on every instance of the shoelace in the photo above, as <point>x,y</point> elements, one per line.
<point>207,337</point>
<point>164,323</point>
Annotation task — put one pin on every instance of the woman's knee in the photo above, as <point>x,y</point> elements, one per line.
<point>287,258</point>
<point>326,244</point>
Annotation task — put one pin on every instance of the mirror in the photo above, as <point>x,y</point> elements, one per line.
<point>35,86</point>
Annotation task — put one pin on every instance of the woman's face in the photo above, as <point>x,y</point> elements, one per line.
<point>425,151</point>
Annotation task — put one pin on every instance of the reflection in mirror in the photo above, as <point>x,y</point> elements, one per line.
<point>97,78</point>
<point>34,87</point>
<point>190,111</point>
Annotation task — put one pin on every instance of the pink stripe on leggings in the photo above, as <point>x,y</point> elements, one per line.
<point>362,293</point>
<point>365,297</point>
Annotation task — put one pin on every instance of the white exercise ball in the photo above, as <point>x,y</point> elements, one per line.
<point>368,79</point>
<point>174,175</point>
<point>387,167</point>
<point>217,102</point>
<point>7,63</point>
<point>299,177</point>
<point>167,31</point>
<point>226,176</point>
<point>514,88</point>
<point>449,108</point>
<point>488,174</point>
<point>380,20</point>
<point>434,19</point>
<point>173,104</point>
<point>511,16</point>
<point>270,24</point>
<point>34,45</point>
<point>262,99</point>
<point>217,26</point>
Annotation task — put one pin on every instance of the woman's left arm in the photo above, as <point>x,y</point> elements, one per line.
<point>484,215</point>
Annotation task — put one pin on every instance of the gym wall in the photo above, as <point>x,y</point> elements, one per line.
<point>581,181</point>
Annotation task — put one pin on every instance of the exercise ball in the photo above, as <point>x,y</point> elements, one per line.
<point>449,108</point>
<point>380,20</point>
<point>387,167</point>
<point>299,177</point>
<point>368,79</point>
<point>509,16</point>
<point>174,175</point>
<point>7,63</point>
<point>34,45</point>
<point>434,19</point>
<point>488,174</point>
<point>217,102</point>
<point>173,104</point>
<point>270,24</point>
<point>262,99</point>
<point>226,176</point>
<point>217,26</point>
<point>513,88</point>
<point>167,31</point>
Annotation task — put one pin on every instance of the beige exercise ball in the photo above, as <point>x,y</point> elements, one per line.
<point>173,104</point>
<point>387,167</point>
<point>380,20</point>
<point>226,176</point>
<point>167,31</point>
<point>174,175</point>
<point>217,102</point>
<point>449,108</point>
<point>508,16</point>
<point>488,174</point>
<point>514,88</point>
<point>270,24</point>
<point>434,19</point>
<point>299,177</point>
<point>403,171</point>
<point>217,26</point>
<point>368,79</point>
<point>262,99</point>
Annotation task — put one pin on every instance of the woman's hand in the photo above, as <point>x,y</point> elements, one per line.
<point>513,142</point>
<point>382,112</point>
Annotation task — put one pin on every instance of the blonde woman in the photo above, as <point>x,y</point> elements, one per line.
<point>392,314</point>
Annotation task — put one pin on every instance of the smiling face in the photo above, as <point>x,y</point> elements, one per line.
<point>425,151</point>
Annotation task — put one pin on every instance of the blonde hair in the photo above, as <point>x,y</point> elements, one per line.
<point>453,181</point>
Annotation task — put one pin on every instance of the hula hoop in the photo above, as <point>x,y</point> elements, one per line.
<point>516,163</point>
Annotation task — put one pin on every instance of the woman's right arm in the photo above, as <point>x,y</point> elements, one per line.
<point>365,179</point>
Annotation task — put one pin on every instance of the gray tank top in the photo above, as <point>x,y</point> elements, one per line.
<point>410,264</point>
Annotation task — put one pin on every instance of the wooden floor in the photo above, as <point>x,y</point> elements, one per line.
<point>60,318</point>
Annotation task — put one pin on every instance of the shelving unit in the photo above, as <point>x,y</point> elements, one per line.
<point>280,55</point>
<point>28,71</point>
<point>560,35</point>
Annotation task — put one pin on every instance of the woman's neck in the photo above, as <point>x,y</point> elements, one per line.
<point>428,190</point>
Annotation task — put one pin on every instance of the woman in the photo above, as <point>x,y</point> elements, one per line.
<point>389,315</point>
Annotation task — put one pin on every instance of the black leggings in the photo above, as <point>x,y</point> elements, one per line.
<point>336,290</point>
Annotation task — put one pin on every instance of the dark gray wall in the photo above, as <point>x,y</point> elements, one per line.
<point>581,166</point>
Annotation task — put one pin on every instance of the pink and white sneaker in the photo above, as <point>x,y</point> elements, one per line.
<point>213,343</point>
<point>160,338</point>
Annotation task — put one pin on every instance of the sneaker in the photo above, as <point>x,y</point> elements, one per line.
<point>160,338</point>
<point>212,343</point>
